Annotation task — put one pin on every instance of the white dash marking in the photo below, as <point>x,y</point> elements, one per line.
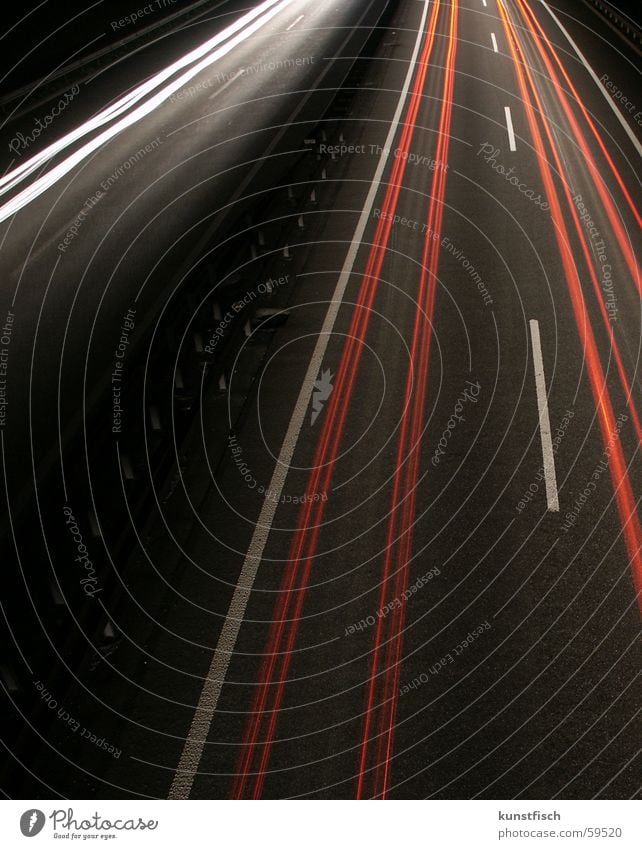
<point>550,477</point>
<point>494,40</point>
<point>292,25</point>
<point>484,3</point>
<point>509,127</point>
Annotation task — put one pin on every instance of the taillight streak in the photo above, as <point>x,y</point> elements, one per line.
<point>304,544</point>
<point>625,499</point>
<point>374,778</point>
<point>613,215</point>
<point>581,232</point>
<point>528,12</point>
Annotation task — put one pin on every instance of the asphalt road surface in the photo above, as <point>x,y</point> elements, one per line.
<point>416,570</point>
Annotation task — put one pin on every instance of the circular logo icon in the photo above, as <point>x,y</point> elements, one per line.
<point>32,822</point>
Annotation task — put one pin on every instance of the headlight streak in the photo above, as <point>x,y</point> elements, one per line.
<point>375,766</point>
<point>13,178</point>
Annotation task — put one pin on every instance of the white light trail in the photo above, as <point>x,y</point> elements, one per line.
<point>227,40</point>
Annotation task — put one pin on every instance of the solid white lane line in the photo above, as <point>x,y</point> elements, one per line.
<point>208,701</point>
<point>544,421</point>
<point>494,40</point>
<point>509,127</point>
<point>300,18</point>
<point>606,95</point>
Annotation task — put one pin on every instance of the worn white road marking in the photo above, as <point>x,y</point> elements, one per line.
<point>544,421</point>
<point>509,127</point>
<point>208,701</point>
<point>494,40</point>
<point>292,25</point>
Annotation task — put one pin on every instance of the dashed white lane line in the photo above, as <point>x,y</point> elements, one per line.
<point>550,477</point>
<point>484,3</point>
<point>509,127</point>
<point>213,683</point>
<point>292,25</point>
<point>494,40</point>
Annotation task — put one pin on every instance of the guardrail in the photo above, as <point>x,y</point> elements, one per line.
<point>628,28</point>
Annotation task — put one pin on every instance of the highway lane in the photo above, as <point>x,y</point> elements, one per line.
<point>512,718</point>
<point>427,623</point>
